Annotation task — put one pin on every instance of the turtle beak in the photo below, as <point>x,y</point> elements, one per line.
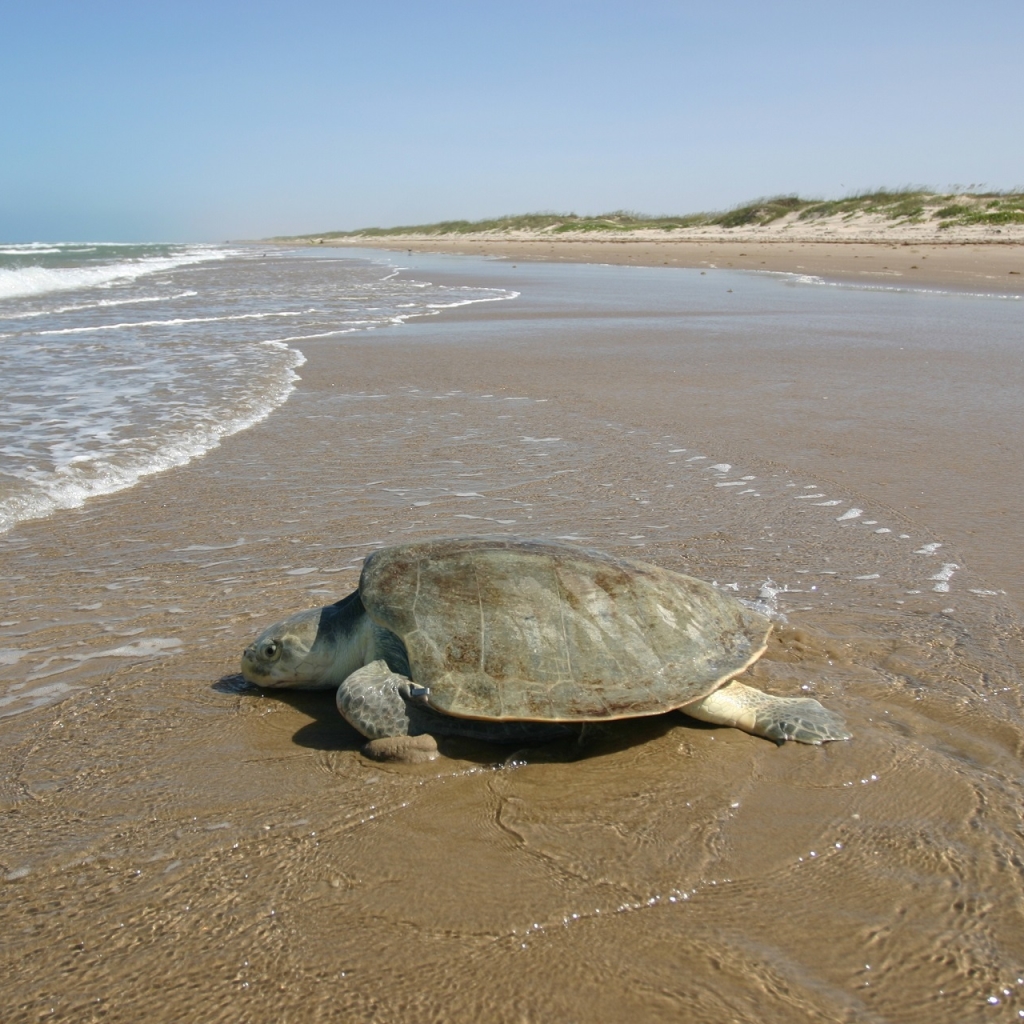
<point>249,666</point>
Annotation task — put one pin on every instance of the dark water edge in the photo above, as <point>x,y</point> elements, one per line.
<point>179,846</point>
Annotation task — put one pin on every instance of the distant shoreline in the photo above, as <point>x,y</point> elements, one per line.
<point>888,238</point>
<point>990,266</point>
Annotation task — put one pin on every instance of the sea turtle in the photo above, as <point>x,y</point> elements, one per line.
<point>515,641</point>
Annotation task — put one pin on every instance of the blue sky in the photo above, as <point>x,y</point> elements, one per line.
<point>221,120</point>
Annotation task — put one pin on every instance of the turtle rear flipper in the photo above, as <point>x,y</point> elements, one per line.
<point>776,718</point>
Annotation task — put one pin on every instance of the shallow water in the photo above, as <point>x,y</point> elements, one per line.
<point>177,845</point>
<point>117,362</point>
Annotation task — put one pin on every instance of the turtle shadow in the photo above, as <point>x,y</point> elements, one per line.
<point>328,731</point>
<point>591,742</point>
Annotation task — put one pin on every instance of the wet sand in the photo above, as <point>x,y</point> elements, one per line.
<point>965,265</point>
<point>177,845</point>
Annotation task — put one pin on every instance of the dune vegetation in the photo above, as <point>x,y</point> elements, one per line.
<point>907,206</point>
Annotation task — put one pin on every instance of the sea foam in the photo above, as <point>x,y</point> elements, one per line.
<point>92,401</point>
<point>24,281</point>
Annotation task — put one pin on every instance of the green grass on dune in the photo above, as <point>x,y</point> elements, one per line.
<point>919,206</point>
<point>913,206</point>
<point>553,222</point>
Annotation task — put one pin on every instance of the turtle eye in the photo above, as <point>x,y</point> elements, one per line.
<point>271,650</point>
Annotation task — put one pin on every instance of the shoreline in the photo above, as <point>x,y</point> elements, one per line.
<point>990,266</point>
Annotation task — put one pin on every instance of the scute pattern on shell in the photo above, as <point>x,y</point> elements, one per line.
<point>527,630</point>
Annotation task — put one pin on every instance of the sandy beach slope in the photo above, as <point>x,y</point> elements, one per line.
<point>969,265</point>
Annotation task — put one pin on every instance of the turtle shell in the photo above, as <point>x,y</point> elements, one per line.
<point>510,630</point>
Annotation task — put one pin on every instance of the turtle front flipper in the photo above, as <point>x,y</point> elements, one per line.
<point>378,703</point>
<point>776,718</point>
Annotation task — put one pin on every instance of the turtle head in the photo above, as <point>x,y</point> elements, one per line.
<point>300,652</point>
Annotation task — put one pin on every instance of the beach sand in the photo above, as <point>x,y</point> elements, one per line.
<point>180,846</point>
<point>966,265</point>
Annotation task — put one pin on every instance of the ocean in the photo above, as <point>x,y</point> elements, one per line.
<point>119,361</point>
